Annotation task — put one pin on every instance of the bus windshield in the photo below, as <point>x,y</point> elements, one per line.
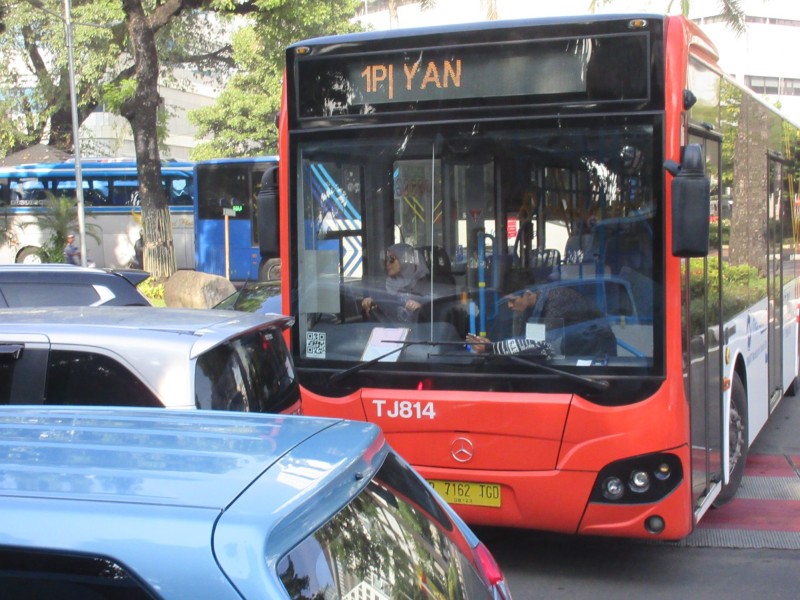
<point>454,244</point>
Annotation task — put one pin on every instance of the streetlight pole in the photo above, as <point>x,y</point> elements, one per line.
<point>75,136</point>
<point>67,20</point>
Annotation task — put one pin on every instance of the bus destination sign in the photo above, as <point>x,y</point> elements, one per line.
<point>467,75</point>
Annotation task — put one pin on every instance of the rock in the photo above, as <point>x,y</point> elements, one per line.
<point>194,289</point>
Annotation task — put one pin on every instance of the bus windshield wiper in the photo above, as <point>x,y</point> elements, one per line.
<point>401,345</point>
<point>596,384</point>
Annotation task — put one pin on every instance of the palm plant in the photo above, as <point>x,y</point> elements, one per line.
<point>59,217</point>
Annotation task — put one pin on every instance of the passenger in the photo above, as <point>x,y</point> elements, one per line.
<point>405,280</point>
<point>573,324</point>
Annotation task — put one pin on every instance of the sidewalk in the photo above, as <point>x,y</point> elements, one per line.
<point>766,510</point>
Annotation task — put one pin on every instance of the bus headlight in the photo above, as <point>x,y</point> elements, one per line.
<point>638,480</point>
<point>613,488</point>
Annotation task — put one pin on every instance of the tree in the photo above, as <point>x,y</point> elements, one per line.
<point>120,67</point>
<point>35,82</point>
<point>241,122</point>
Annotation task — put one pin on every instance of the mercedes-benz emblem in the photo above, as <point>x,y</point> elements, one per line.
<point>462,450</point>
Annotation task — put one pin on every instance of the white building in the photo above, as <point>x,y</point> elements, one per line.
<point>762,56</point>
<point>108,134</point>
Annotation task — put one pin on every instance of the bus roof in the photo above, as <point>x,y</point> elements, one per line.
<point>238,160</point>
<point>476,26</point>
<point>87,165</point>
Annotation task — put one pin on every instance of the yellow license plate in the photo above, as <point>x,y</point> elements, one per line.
<point>468,492</point>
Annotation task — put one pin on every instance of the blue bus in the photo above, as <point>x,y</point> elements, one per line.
<point>111,200</point>
<point>235,187</point>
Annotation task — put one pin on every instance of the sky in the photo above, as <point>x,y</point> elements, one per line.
<point>454,11</point>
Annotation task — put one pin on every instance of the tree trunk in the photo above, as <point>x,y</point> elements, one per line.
<point>748,241</point>
<point>60,135</point>
<point>142,112</point>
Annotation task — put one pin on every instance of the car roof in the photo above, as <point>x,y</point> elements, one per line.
<point>60,272</point>
<point>117,327</point>
<point>177,493</point>
<point>200,458</point>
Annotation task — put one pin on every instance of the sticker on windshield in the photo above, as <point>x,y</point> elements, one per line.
<point>315,344</point>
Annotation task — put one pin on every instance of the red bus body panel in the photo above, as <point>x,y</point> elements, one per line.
<point>545,450</point>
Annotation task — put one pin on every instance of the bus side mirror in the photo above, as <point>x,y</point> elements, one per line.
<point>268,222</point>
<point>691,204</point>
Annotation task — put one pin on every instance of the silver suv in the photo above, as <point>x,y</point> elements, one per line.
<point>146,356</point>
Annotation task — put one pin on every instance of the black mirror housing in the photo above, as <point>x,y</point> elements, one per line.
<point>691,204</point>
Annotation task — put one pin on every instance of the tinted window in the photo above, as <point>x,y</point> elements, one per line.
<point>21,373</point>
<point>252,373</point>
<point>49,294</point>
<point>392,541</point>
<point>224,186</point>
<point>26,574</point>
<point>86,378</point>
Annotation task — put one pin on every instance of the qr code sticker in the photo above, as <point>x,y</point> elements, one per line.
<point>315,344</point>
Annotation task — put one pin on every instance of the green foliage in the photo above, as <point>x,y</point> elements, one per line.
<point>153,291</point>
<point>115,93</point>
<point>742,287</point>
<point>714,233</point>
<point>242,121</point>
<point>59,217</point>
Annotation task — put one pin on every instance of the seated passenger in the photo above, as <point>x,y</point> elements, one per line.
<point>405,283</point>
<point>573,325</point>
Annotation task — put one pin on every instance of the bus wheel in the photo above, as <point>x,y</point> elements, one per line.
<point>269,270</point>
<point>29,256</point>
<point>737,432</point>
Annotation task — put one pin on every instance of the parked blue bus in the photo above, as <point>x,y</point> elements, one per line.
<point>235,186</point>
<point>111,200</point>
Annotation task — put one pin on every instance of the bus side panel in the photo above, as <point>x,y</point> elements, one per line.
<point>347,407</point>
<point>597,435</point>
<point>791,314</point>
<point>244,259</point>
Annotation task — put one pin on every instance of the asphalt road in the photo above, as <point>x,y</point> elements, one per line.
<point>748,549</point>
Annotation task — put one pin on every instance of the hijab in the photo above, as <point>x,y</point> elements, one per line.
<point>411,271</point>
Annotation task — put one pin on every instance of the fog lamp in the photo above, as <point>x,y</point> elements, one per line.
<point>655,524</point>
<point>613,488</point>
<point>640,481</point>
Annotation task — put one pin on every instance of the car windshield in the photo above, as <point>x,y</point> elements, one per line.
<point>412,238</point>
<point>392,541</point>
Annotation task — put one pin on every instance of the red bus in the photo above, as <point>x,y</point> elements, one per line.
<point>503,246</point>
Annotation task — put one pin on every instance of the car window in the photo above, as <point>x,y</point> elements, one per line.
<point>393,540</point>
<point>251,373</point>
<point>27,574</point>
<point>88,378</point>
<point>22,368</point>
<point>40,294</point>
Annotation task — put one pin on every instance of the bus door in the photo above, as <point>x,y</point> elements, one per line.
<point>775,279</point>
<point>702,338</point>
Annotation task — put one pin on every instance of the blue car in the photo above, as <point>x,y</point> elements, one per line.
<point>136,503</point>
